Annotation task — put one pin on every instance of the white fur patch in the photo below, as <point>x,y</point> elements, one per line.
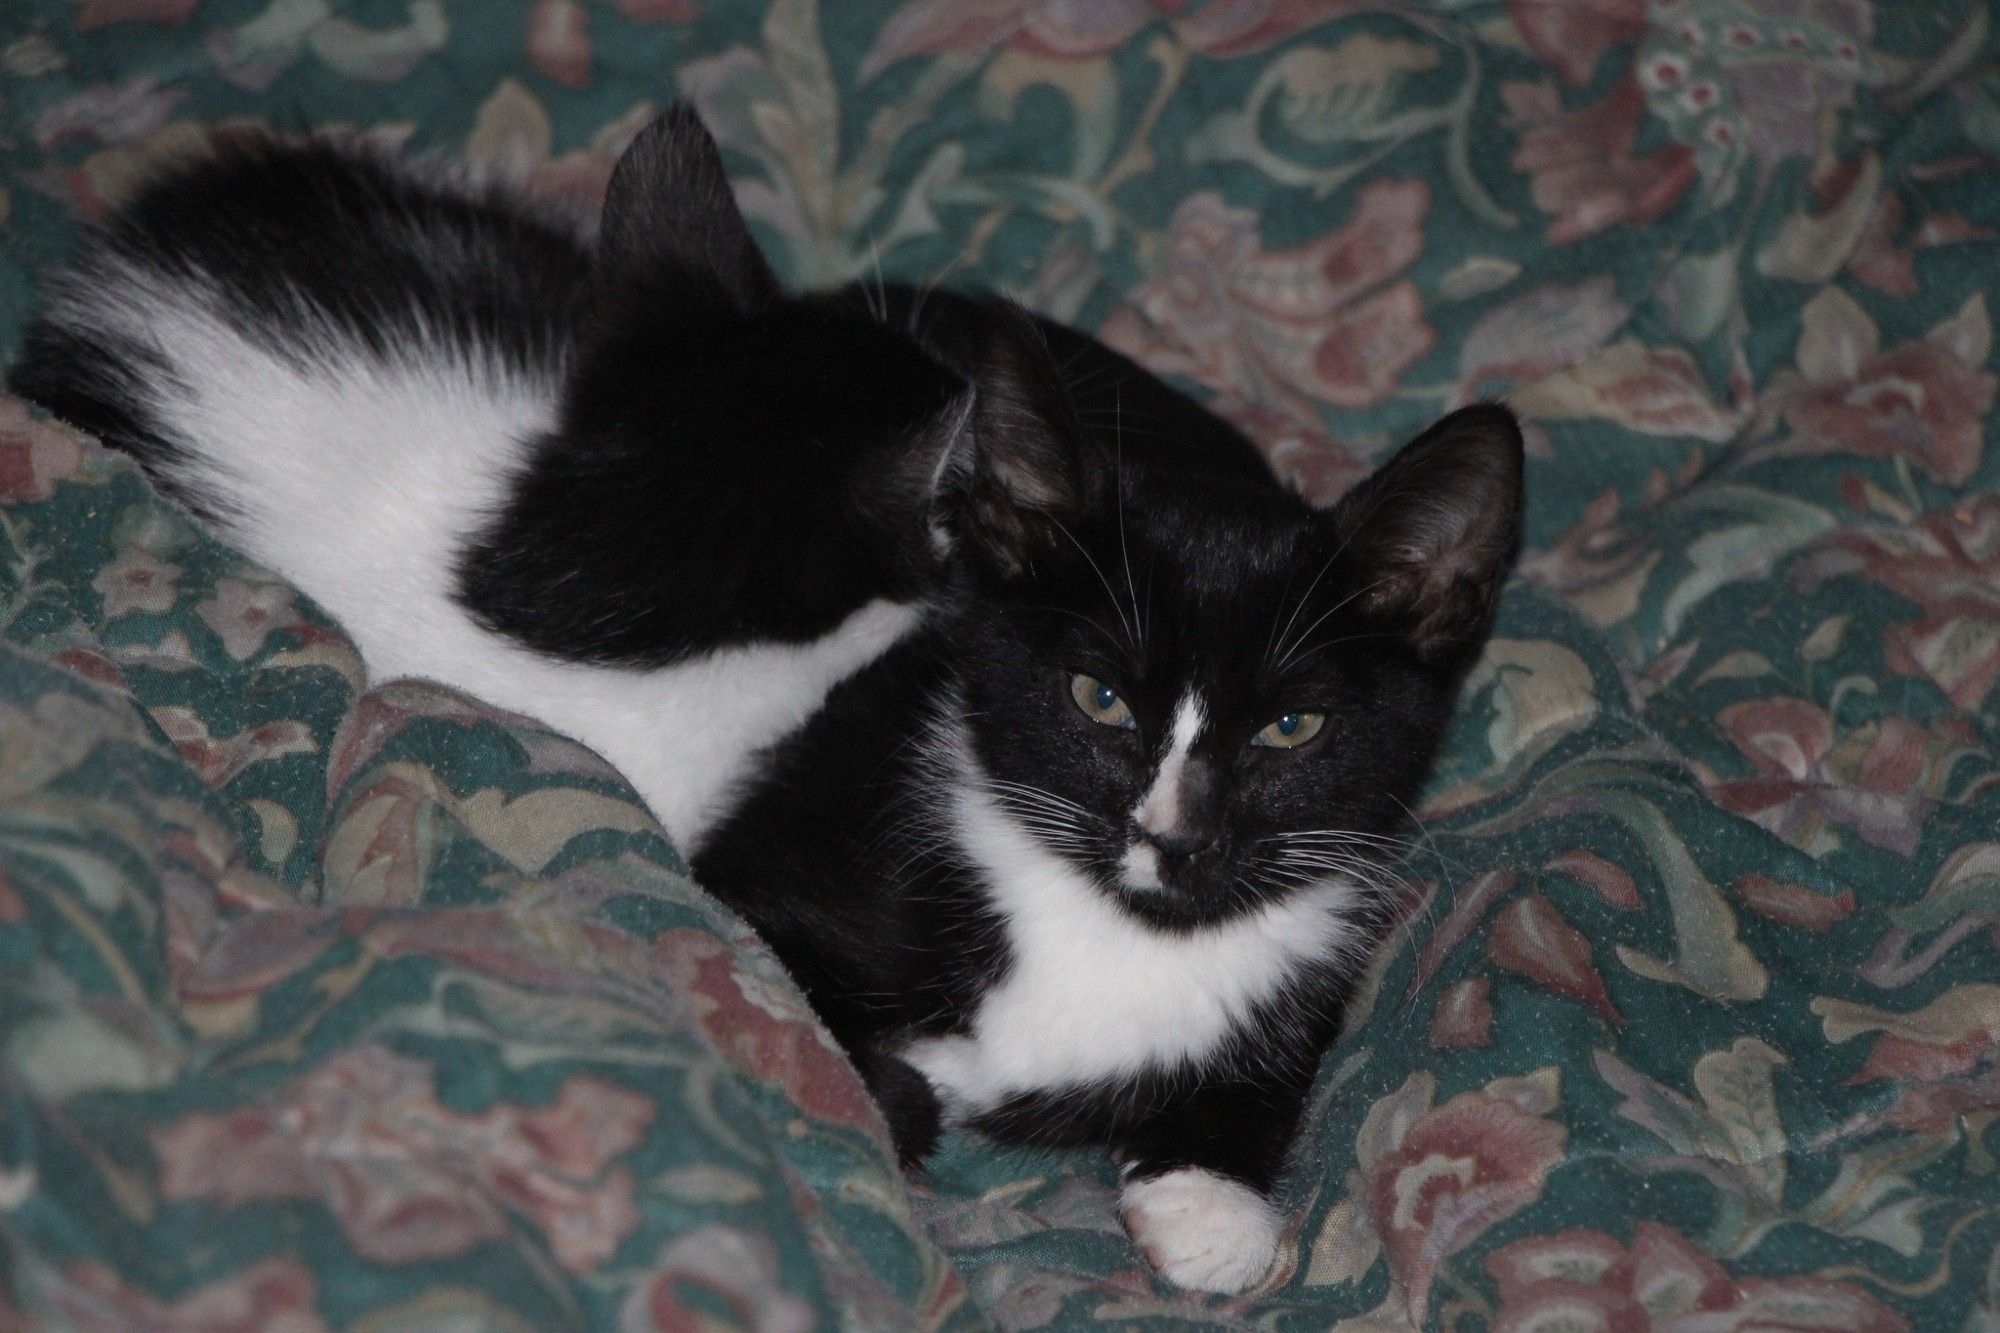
<point>1159,813</point>
<point>1202,1231</point>
<point>361,481</point>
<point>1139,868</point>
<point>1092,992</point>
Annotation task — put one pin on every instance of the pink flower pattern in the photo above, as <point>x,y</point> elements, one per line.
<point>1581,163</point>
<point>1919,400</point>
<point>34,457</point>
<point>410,1179</point>
<point>138,580</point>
<point>1879,780</point>
<point>1947,564</point>
<point>270,1296</point>
<point>1327,322</point>
<point>1587,1278</point>
<point>305,1035</point>
<point>1432,1179</point>
<point>1573,35</point>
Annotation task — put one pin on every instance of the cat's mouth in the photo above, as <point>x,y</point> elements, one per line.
<point>1173,890</point>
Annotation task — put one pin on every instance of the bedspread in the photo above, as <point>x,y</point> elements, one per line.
<point>330,1003</point>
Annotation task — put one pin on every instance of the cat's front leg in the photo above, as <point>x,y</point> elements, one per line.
<point>1202,1230</point>
<point>1198,1180</point>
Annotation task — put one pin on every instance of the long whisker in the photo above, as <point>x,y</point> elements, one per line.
<point>1430,843</point>
<point>1291,835</point>
<point>1124,553</point>
<point>1275,641</point>
<point>1300,641</point>
<point>1131,630</point>
<point>1301,658</point>
<point>1051,609</point>
<point>1047,810</point>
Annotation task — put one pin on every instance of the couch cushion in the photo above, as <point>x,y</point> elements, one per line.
<point>360,1003</point>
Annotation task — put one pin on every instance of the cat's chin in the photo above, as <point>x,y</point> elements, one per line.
<point>1143,890</point>
<point>1166,908</point>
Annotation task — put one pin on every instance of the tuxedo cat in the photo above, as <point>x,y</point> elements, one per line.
<point>1056,748</point>
<point>1096,854</point>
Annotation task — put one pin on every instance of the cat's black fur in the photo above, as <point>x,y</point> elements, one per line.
<point>793,422</point>
<point>714,433</point>
<point>731,465</point>
<point>840,858</point>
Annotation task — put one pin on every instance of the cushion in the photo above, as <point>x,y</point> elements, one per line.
<point>328,1002</point>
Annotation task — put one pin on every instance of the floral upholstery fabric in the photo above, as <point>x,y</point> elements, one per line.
<point>330,1003</point>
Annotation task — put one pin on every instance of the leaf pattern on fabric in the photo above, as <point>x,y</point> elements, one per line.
<point>337,1003</point>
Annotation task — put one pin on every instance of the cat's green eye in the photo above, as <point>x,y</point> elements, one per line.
<point>1290,731</point>
<point>1099,702</point>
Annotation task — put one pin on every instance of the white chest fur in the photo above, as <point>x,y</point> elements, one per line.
<point>1094,994</point>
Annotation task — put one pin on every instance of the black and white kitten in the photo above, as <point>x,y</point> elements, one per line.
<point>1095,856</point>
<point>1053,745</point>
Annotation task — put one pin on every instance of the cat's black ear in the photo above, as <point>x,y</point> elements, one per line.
<point>1433,533</point>
<point>1014,474</point>
<point>669,218</point>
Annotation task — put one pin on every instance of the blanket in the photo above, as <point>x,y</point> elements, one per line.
<point>329,1002</point>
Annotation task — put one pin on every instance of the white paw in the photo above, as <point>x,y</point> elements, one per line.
<point>1201,1230</point>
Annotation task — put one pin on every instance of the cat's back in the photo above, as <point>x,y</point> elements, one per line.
<point>336,358</point>
<point>324,251</point>
<point>331,263</point>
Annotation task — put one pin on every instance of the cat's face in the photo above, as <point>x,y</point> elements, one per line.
<point>1208,696</point>
<point>1220,726</point>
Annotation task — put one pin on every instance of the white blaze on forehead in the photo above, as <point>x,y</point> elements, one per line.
<point>1160,812</point>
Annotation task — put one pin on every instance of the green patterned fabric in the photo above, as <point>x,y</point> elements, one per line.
<point>336,1004</point>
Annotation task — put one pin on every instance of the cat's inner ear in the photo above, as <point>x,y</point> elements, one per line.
<point>1433,533</point>
<point>1014,474</point>
<point>669,218</point>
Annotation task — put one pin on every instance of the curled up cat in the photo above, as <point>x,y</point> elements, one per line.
<point>1057,749</point>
